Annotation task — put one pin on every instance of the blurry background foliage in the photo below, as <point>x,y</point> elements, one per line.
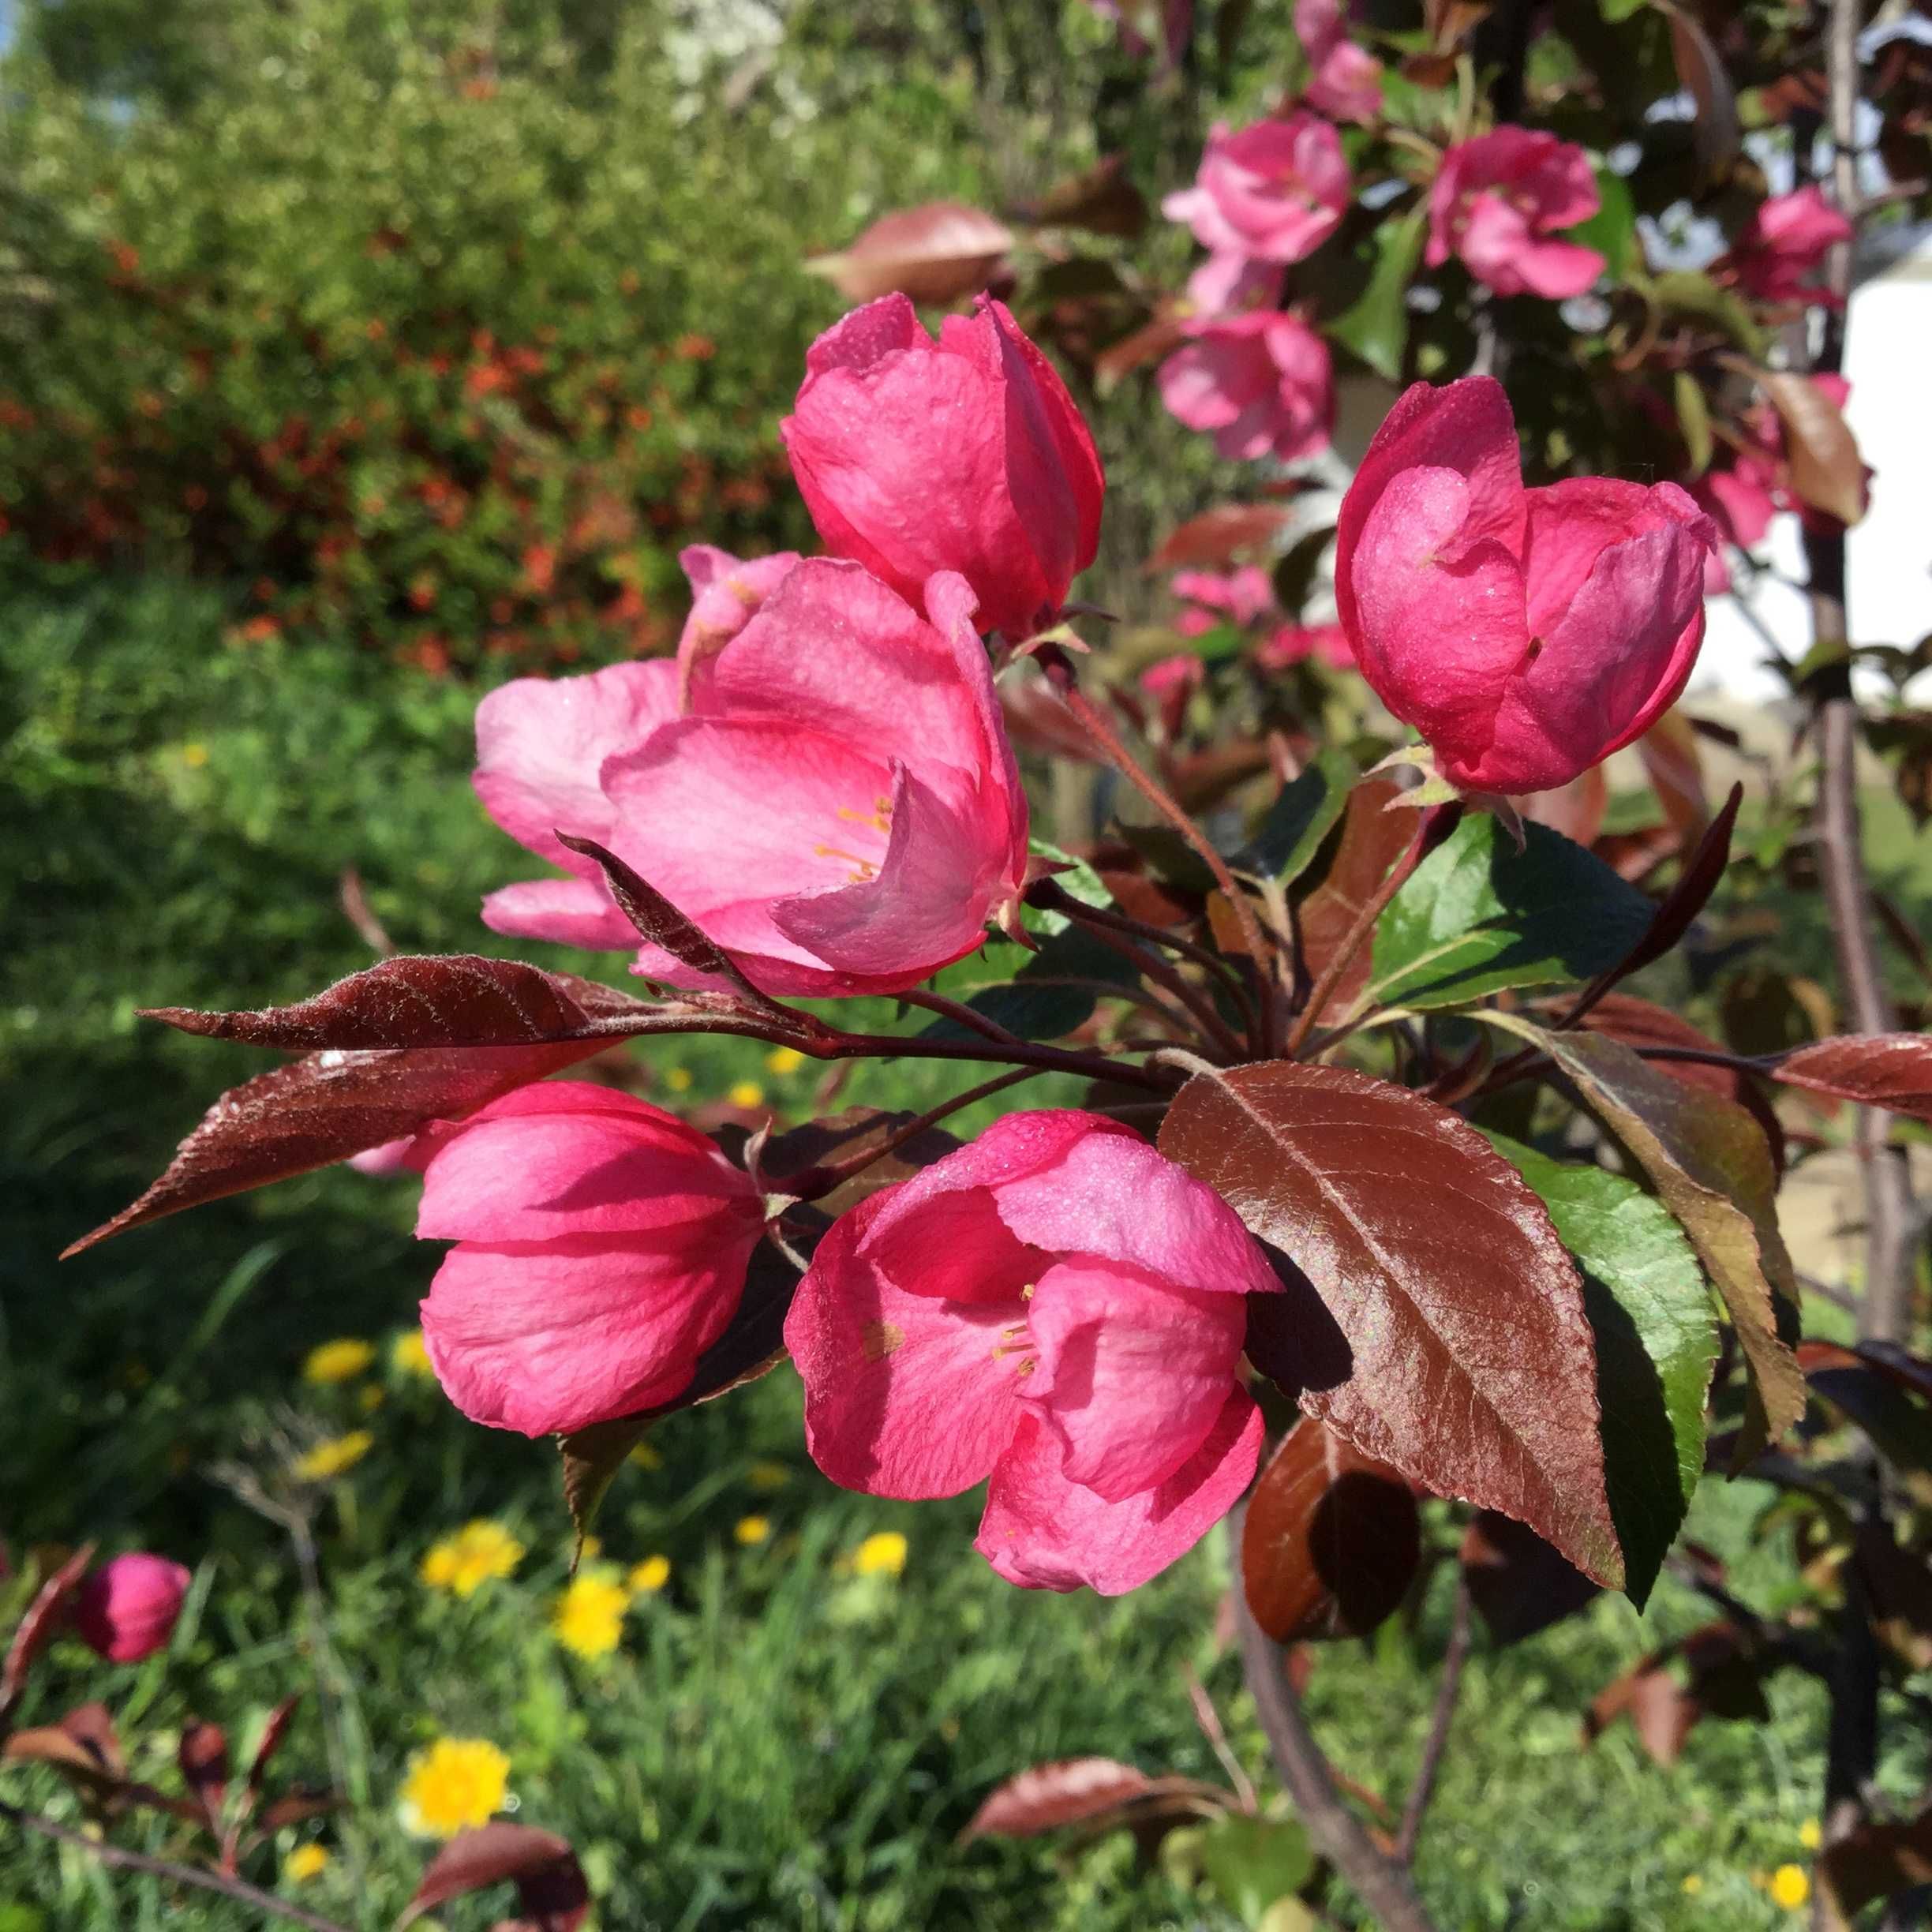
<point>442,328</point>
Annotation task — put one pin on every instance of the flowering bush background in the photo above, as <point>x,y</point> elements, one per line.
<point>756,1691</point>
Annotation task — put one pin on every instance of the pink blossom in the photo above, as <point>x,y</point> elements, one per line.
<point>1496,200</point>
<point>1294,644</point>
<point>1346,81</point>
<point>127,1609</point>
<point>1057,1307</point>
<point>404,1156</point>
<point>1526,633</point>
<point>1785,243</point>
<point>1272,192</point>
<point>838,808</point>
<point>1227,284</point>
<point>1241,595</point>
<point>1171,683</point>
<point>601,1248</point>
<point>964,454</point>
<point>1742,500</point>
<point>1261,382</point>
<point>726,592</point>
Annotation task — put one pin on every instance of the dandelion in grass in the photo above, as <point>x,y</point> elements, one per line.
<point>679,1079</point>
<point>882,1554</point>
<point>645,1456</point>
<point>480,1552</point>
<point>783,1060</point>
<point>341,1360</point>
<point>745,1093</point>
<point>588,1620</point>
<point>333,1456</point>
<point>766,1475</point>
<point>409,1355</point>
<point>1810,1835</point>
<point>647,1578</point>
<point>1694,1885</point>
<point>1791,1887</point>
<point>753,1530</point>
<point>305,1862</point>
<point>453,1785</point>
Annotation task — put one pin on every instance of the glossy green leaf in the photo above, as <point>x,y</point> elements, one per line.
<point>1285,842</point>
<point>1656,1343</point>
<point>1611,231</point>
<point>1050,995</point>
<point>1479,916</point>
<point>1375,326</point>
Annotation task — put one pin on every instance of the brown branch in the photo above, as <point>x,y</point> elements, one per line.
<point>1197,1001</point>
<point>1379,1879</point>
<point>1446,1691</point>
<point>959,1013</point>
<point>816,1182</point>
<point>196,1876</point>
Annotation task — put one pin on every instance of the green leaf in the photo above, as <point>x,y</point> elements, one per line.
<point>1216,646</point>
<point>1656,1344</point>
<point>1376,326</point>
<point>1286,841</point>
<point>1616,11</point>
<point>1478,916</point>
<point>1076,877</point>
<point>1687,291</point>
<point>1251,1861</point>
<point>1693,419</point>
<point>1037,1002</point>
<point>1611,231</point>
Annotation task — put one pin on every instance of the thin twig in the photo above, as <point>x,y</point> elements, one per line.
<point>815,1182</point>
<point>1383,1884</point>
<point>1215,1732</point>
<point>197,1876</point>
<point>1199,1002</point>
<point>959,1013</point>
<point>1446,1691</point>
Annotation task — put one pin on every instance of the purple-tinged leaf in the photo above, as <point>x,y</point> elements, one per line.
<point>549,1881</point>
<point>1888,1070</point>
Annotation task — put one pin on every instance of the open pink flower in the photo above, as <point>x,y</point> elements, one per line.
<point>1497,201</point>
<point>1782,246</point>
<point>601,1248</point>
<point>1261,382</point>
<point>1527,633</point>
<point>726,592</point>
<point>964,454</point>
<point>1346,81</point>
<point>1272,192</point>
<point>1057,1307</point>
<point>838,808</point>
<point>127,1609</point>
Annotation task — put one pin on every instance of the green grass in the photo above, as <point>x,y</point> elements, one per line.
<point>776,1745</point>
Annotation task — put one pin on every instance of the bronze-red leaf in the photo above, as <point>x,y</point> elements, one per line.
<point>549,1881</point>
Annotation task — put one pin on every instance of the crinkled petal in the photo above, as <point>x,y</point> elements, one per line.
<point>1042,1531</point>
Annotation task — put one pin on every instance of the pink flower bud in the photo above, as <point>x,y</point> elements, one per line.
<point>1057,1307</point>
<point>1786,240</point>
<point>1526,633</point>
<point>1346,80</point>
<point>1261,382</point>
<point>127,1608</point>
<point>1496,200</point>
<point>601,1249</point>
<point>964,454</point>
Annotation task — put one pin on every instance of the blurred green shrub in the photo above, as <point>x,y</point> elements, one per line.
<point>432,326</point>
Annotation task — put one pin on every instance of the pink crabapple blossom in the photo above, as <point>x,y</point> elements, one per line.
<point>964,454</point>
<point>1057,1307</point>
<point>1527,633</point>
<point>834,802</point>
<point>1346,80</point>
<point>601,1246</point>
<point>1294,644</point>
<point>1273,192</point>
<point>1497,201</point>
<point>1239,596</point>
<point>127,1609</point>
<point>1784,244</point>
<point>1260,382</point>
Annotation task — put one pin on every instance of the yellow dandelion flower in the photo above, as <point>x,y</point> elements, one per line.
<point>194,756</point>
<point>648,1577</point>
<point>645,1456</point>
<point>765,1475</point>
<point>333,1455</point>
<point>478,1553</point>
<point>745,1094</point>
<point>679,1079</point>
<point>306,1862</point>
<point>588,1617</point>
<point>752,1530</point>
<point>1809,1835</point>
<point>456,1783</point>
<point>337,1362</point>
<point>883,1554</point>
<point>589,1549</point>
<point>1694,1885</point>
<point>409,1354</point>
<point>1790,1886</point>
<point>783,1059</point>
